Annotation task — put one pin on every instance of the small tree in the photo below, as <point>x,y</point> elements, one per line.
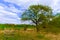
<point>56,20</point>
<point>37,14</point>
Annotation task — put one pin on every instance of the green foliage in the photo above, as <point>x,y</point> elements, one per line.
<point>38,14</point>
<point>55,20</point>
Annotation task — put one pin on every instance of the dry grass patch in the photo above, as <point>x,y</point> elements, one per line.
<point>29,34</point>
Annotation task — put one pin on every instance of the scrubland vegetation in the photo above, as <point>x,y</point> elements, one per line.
<point>45,25</point>
<point>17,32</point>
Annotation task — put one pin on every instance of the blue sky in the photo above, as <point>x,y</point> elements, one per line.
<point>11,10</point>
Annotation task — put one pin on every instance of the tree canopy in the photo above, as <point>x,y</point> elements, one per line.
<point>38,14</point>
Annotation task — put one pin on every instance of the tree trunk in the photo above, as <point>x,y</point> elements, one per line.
<point>37,28</point>
<point>25,28</point>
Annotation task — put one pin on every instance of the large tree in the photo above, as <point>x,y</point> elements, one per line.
<point>37,14</point>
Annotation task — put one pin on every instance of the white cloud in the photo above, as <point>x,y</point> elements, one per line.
<point>9,14</point>
<point>19,2</point>
<point>8,17</point>
<point>12,8</point>
<point>23,3</point>
<point>26,3</point>
<point>29,2</point>
<point>56,6</point>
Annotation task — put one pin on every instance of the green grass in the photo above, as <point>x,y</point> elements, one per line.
<point>50,28</point>
<point>9,26</point>
<point>25,35</point>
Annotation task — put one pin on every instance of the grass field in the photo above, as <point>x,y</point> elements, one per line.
<point>16,32</point>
